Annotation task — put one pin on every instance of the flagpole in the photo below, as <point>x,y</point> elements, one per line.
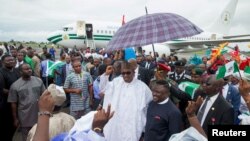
<point>238,70</point>
<point>240,76</point>
<point>146,10</point>
<point>46,82</point>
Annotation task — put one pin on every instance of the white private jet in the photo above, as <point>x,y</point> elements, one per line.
<point>97,35</point>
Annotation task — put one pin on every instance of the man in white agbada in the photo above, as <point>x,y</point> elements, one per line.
<point>129,98</point>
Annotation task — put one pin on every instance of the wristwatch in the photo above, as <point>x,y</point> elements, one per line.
<point>47,113</point>
<point>99,131</point>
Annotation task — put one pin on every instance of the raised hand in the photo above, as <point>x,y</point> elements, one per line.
<point>109,70</point>
<point>191,109</point>
<point>193,106</point>
<point>46,102</point>
<point>198,102</point>
<point>101,118</point>
<point>244,88</point>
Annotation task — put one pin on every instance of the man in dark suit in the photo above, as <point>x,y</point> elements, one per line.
<point>215,109</point>
<point>94,70</point>
<point>163,117</point>
<point>149,64</point>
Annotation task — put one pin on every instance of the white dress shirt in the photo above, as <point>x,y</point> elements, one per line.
<point>164,101</point>
<point>180,75</point>
<point>147,65</point>
<point>225,90</point>
<point>18,63</point>
<point>209,105</point>
<point>136,71</point>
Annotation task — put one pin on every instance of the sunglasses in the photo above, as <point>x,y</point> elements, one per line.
<point>126,73</point>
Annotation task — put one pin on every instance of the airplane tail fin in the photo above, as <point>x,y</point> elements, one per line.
<point>223,23</point>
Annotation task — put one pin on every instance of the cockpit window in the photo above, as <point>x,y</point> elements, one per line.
<point>67,28</point>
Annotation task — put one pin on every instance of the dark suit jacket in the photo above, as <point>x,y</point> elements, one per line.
<point>183,78</point>
<point>163,120</point>
<point>144,75</point>
<point>220,113</point>
<point>94,72</point>
<point>151,65</point>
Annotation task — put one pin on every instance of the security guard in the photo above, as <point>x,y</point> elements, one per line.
<point>179,75</point>
<point>180,98</point>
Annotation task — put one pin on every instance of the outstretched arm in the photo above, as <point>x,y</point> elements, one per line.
<point>46,106</point>
<point>192,118</point>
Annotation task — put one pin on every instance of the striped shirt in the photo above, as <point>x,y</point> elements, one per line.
<point>79,81</point>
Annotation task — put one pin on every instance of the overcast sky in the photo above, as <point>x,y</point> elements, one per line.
<point>33,20</point>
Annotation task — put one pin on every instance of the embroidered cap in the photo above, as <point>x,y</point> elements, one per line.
<point>57,93</point>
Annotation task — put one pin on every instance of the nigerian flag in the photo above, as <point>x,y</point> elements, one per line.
<point>188,87</point>
<point>247,70</point>
<point>226,70</point>
<point>48,65</point>
<point>29,61</point>
<point>52,66</point>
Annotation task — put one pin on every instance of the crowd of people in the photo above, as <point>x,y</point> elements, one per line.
<point>133,100</point>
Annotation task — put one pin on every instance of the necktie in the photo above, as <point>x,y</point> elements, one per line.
<point>202,110</point>
<point>147,65</point>
<point>178,77</point>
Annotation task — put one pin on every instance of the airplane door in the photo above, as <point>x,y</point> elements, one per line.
<point>89,31</point>
<point>80,29</point>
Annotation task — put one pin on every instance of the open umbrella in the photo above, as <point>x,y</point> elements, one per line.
<point>152,28</point>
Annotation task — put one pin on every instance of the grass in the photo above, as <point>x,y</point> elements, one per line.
<point>30,44</point>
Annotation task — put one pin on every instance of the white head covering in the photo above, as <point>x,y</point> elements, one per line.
<point>245,76</point>
<point>245,119</point>
<point>81,125</point>
<point>190,134</point>
<point>57,93</point>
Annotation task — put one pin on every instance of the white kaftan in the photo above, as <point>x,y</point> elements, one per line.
<point>130,102</point>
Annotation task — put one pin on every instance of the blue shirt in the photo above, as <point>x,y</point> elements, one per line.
<point>52,51</point>
<point>96,88</point>
<point>79,136</point>
<point>44,65</point>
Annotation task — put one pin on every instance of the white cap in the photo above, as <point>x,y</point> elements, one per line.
<point>57,93</point>
<point>190,134</point>
<point>245,76</point>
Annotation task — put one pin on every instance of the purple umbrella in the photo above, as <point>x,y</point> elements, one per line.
<point>152,28</point>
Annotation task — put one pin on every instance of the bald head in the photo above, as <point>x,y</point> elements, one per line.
<point>213,86</point>
<point>212,80</point>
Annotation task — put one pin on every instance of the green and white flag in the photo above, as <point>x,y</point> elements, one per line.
<point>188,87</point>
<point>29,61</point>
<point>52,66</point>
<point>48,66</point>
<point>226,70</point>
<point>247,70</point>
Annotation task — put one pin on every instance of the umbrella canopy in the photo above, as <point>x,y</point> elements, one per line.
<point>152,28</point>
